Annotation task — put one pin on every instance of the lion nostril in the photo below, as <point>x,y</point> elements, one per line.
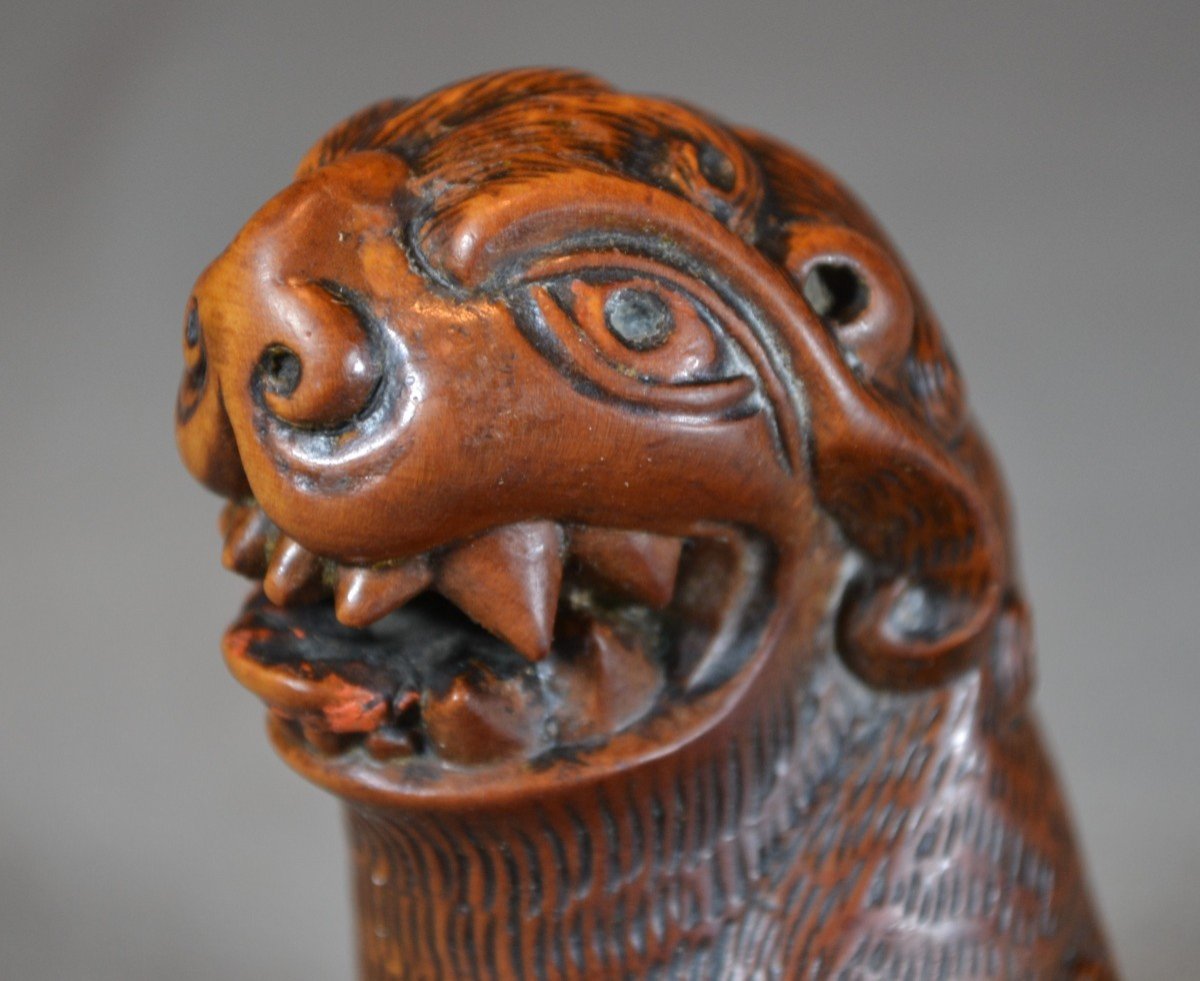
<point>195,359</point>
<point>191,331</point>
<point>198,373</point>
<point>281,370</point>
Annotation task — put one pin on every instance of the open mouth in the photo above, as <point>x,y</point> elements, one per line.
<point>525,643</point>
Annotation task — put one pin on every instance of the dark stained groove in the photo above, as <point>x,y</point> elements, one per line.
<point>585,853</point>
<point>680,825</point>
<point>612,846</point>
<point>562,865</point>
<point>534,874</point>
<point>576,939</point>
<point>637,833</point>
<point>541,950</point>
<point>514,928</point>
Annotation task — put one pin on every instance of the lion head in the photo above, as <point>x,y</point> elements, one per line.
<point>552,418</point>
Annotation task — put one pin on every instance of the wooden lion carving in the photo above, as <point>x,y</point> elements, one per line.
<point>630,561</point>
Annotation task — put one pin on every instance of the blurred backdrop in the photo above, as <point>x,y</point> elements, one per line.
<point>1038,163</point>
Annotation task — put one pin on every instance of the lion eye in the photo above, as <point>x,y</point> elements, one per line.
<point>650,338</point>
<point>639,319</point>
<point>642,328</point>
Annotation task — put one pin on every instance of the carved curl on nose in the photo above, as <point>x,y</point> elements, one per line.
<point>323,369</point>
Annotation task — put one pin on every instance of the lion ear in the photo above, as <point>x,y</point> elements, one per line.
<point>857,291</point>
<point>889,468</point>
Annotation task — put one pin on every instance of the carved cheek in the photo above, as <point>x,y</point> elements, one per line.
<point>207,447</point>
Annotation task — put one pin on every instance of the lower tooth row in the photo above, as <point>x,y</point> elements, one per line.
<point>481,718</point>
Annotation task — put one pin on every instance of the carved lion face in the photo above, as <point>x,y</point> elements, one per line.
<point>548,411</point>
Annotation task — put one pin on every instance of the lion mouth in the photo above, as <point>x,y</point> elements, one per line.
<point>528,641</point>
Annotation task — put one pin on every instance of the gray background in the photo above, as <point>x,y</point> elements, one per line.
<point>1040,166</point>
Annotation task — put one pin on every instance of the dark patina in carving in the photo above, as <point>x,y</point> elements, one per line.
<point>629,559</point>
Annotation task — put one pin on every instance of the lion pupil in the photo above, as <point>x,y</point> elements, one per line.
<point>639,319</point>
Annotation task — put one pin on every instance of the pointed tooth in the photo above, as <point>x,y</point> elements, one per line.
<point>642,565</point>
<point>292,570</point>
<point>365,594</point>
<point>230,513</point>
<point>245,549</point>
<point>607,683</point>
<point>508,582</point>
<point>322,739</point>
<point>391,744</point>
<point>482,718</point>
